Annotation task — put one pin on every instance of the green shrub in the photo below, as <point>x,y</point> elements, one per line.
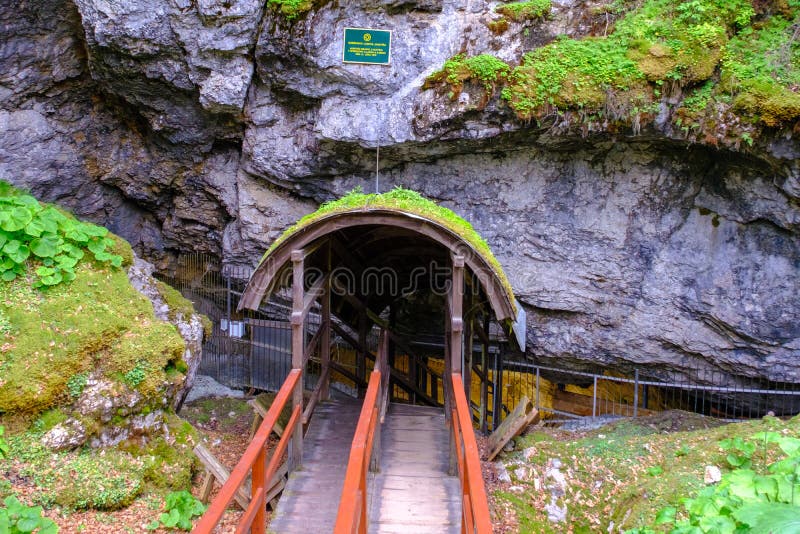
<point>459,69</point>
<point>181,508</point>
<point>715,51</point>
<point>47,238</point>
<point>754,497</point>
<point>3,444</point>
<point>291,9</point>
<point>76,383</point>
<point>16,518</point>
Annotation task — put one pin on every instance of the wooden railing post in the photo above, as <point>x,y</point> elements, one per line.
<point>258,489</point>
<point>298,348</point>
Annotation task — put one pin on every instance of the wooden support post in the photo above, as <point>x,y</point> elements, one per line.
<point>497,392</point>
<point>455,353</point>
<point>221,473</point>
<point>468,344</point>
<point>485,381</point>
<point>517,421</point>
<point>361,357</point>
<point>325,349</point>
<point>298,346</point>
<point>456,315</point>
<point>258,488</point>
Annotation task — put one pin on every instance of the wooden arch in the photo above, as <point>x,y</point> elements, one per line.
<point>311,236</point>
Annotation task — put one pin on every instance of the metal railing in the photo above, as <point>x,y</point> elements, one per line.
<point>571,393</point>
<point>475,507</point>
<point>254,460</point>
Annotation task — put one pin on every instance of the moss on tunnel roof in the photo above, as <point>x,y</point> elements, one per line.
<point>406,201</point>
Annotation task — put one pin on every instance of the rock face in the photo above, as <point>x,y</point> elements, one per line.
<point>211,126</point>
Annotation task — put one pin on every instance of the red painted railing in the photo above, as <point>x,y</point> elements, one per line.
<point>352,515</point>
<point>255,458</point>
<point>475,507</point>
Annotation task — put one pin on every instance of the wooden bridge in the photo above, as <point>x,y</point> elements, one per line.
<point>369,464</point>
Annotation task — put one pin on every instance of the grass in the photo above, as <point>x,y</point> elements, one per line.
<point>406,201</point>
<point>626,472</point>
<point>98,322</point>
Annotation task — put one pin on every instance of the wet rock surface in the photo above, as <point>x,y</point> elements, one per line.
<point>211,126</point>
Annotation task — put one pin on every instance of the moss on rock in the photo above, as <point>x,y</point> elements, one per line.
<point>525,11</point>
<point>752,59</point>
<point>408,201</point>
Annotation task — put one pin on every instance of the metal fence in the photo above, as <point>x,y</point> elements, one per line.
<point>252,349</point>
<point>569,393</point>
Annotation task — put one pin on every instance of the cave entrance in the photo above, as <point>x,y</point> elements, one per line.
<point>416,284</point>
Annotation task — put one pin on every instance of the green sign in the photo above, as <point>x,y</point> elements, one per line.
<point>363,45</point>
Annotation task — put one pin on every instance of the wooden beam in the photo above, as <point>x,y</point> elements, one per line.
<point>314,292</point>
<point>316,395</point>
<point>456,318</point>
<point>524,414</point>
<point>260,414</point>
<point>325,353</point>
<point>298,346</point>
<point>222,473</point>
<point>344,371</point>
<point>313,343</point>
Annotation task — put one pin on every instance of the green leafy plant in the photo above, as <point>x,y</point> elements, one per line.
<point>459,69</point>
<point>76,383</point>
<point>655,470</point>
<point>741,452</point>
<point>682,451</point>
<point>16,518</point>
<point>3,444</point>
<point>48,239</point>
<point>181,508</point>
<point>744,500</point>
<point>136,376</point>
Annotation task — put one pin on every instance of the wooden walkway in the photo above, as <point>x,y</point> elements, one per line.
<point>413,492</point>
<point>311,499</point>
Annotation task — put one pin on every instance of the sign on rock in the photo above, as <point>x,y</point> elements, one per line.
<point>364,45</point>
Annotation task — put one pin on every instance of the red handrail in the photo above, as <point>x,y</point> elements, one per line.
<point>255,458</point>
<point>352,515</point>
<point>475,507</point>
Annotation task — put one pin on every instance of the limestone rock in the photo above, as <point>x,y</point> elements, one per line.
<point>66,435</point>
<point>211,126</point>
<point>712,474</point>
<point>190,328</point>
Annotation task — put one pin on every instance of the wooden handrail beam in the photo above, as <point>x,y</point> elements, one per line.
<point>315,396</point>
<point>476,507</point>
<point>253,458</point>
<point>352,509</point>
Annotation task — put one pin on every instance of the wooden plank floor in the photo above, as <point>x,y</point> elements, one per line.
<point>413,492</point>
<point>311,498</point>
